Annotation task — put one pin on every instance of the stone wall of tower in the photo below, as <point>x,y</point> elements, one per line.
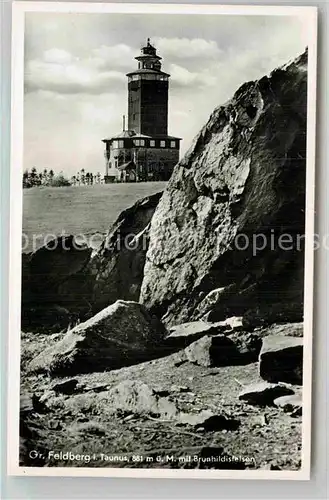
<point>154,107</point>
<point>148,107</point>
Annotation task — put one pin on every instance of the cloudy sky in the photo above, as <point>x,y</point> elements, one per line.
<point>75,67</point>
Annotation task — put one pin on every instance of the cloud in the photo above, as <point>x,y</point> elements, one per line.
<point>104,69</point>
<point>58,71</point>
<point>187,48</point>
<point>58,56</point>
<point>76,69</point>
<point>116,56</point>
<point>182,77</point>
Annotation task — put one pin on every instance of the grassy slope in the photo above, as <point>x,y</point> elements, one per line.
<point>79,210</point>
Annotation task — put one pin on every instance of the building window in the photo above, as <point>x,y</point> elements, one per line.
<point>162,144</point>
<point>121,143</point>
<point>139,142</point>
<point>172,144</point>
<point>152,144</point>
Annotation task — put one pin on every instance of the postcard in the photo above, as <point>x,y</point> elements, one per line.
<point>161,240</point>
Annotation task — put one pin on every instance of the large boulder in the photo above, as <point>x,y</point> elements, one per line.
<point>239,188</point>
<point>65,281</point>
<point>132,396</point>
<point>287,329</point>
<point>180,336</point>
<point>222,350</point>
<point>120,335</point>
<point>281,359</point>
<point>293,403</point>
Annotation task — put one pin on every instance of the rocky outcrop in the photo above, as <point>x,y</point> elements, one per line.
<point>281,359</point>
<point>239,188</point>
<point>64,281</point>
<point>118,265</point>
<point>120,335</point>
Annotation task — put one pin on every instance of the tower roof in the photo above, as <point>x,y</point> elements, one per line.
<point>148,52</point>
<point>148,49</point>
<point>147,71</point>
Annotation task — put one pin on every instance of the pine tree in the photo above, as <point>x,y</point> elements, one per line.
<point>33,176</point>
<point>45,177</point>
<point>26,183</point>
<point>51,177</point>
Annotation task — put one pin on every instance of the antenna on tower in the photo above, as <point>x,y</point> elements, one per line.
<point>123,123</point>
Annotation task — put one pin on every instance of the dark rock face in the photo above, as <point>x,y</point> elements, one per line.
<point>64,281</point>
<point>281,359</point>
<point>44,300</point>
<point>120,335</point>
<point>241,183</point>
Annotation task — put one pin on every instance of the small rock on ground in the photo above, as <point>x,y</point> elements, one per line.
<point>264,393</point>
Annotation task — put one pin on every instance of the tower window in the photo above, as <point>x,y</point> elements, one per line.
<point>152,143</point>
<point>172,144</point>
<point>162,144</point>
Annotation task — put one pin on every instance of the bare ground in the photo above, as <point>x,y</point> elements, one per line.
<point>83,422</point>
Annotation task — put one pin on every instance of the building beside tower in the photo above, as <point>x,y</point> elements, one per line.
<point>144,151</point>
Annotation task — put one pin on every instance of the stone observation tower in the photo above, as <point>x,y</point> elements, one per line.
<point>144,151</point>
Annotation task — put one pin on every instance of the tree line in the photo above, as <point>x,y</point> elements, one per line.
<point>49,178</point>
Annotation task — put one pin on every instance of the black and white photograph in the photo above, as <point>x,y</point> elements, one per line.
<point>162,237</point>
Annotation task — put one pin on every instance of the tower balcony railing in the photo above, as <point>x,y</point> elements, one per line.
<point>147,76</point>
